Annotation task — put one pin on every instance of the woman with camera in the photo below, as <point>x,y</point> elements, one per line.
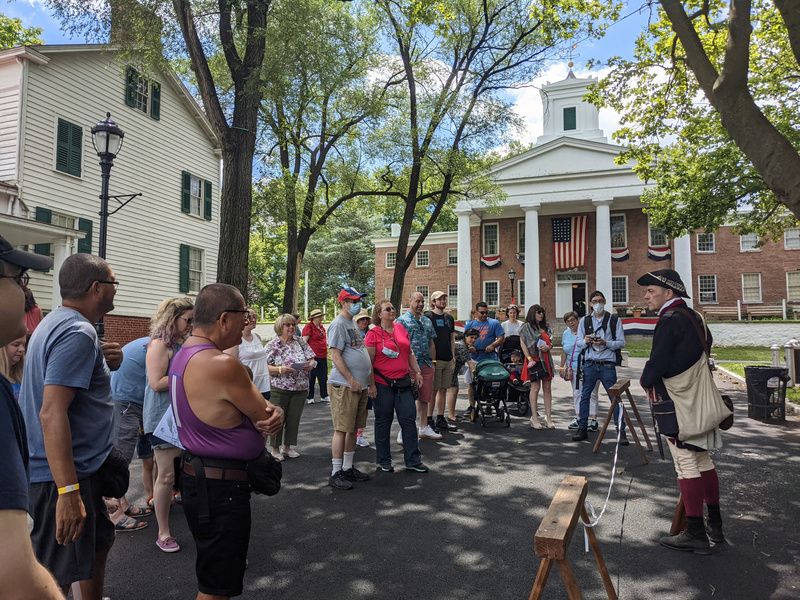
<point>536,341</point>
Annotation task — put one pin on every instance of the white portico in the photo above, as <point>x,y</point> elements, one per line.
<point>570,171</point>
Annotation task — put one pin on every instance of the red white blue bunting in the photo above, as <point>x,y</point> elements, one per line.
<point>620,255</point>
<point>491,261</point>
<point>659,252</point>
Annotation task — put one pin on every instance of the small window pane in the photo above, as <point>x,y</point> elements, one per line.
<point>142,93</point>
<point>705,242</point>
<point>491,292</point>
<point>490,243</point>
<point>793,286</point>
<point>196,196</point>
<point>521,237</point>
<point>570,118</point>
<point>452,256</point>
<point>707,286</point>
<point>521,295</point>
<point>751,287</point>
<point>618,237</point>
<point>423,258</point>
<point>619,290</point>
<point>658,237</point>
<point>452,295</point>
<point>423,289</point>
<point>195,269</point>
<point>387,293</point>
<point>748,241</point>
<point>391,259</point>
<point>791,239</point>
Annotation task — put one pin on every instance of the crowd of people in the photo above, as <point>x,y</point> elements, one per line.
<point>212,410</point>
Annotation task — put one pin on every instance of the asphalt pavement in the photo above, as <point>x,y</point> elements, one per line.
<point>465,530</point>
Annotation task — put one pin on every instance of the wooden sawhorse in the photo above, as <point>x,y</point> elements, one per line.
<point>615,395</point>
<point>554,534</point>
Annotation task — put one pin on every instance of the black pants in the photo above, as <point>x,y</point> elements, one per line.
<point>320,374</point>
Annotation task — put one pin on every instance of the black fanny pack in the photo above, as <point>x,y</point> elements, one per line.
<point>264,474</point>
<point>114,475</point>
<point>401,384</point>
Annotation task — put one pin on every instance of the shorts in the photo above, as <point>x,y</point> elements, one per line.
<point>159,444</point>
<point>426,391</point>
<point>128,432</point>
<point>443,374</point>
<point>75,561</point>
<point>689,464</point>
<point>348,408</point>
<point>222,542</point>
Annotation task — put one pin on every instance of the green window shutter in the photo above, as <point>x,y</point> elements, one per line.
<point>75,149</point>
<point>155,101</point>
<point>85,245</point>
<point>43,215</point>
<point>186,191</point>
<point>131,80</point>
<point>69,142</point>
<point>570,119</point>
<point>184,269</point>
<point>207,195</point>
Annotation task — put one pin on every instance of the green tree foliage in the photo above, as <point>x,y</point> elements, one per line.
<point>684,138</point>
<point>459,57</point>
<point>267,267</point>
<point>14,33</point>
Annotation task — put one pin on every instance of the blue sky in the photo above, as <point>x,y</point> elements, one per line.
<point>619,40</point>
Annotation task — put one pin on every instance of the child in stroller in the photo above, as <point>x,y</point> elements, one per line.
<point>490,388</point>
<point>512,359</point>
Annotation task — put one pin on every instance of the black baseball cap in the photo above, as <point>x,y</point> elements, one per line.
<point>26,260</point>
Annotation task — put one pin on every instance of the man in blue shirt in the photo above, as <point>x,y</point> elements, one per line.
<point>491,334</point>
<point>66,400</point>
<point>600,336</point>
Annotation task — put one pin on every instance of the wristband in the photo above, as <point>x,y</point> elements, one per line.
<point>68,488</point>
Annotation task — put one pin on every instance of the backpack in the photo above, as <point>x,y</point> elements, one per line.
<point>588,328</point>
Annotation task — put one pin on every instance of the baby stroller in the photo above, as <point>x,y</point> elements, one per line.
<point>490,387</point>
<point>519,391</point>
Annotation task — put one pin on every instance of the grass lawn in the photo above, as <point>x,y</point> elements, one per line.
<point>792,393</point>
<point>639,347</point>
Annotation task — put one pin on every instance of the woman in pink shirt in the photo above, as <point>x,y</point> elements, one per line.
<point>393,364</point>
<point>314,334</point>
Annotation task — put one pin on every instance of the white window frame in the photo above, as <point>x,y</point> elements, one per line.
<point>520,292</point>
<point>427,261</point>
<point>483,295</point>
<point>452,257</point>
<point>141,100</point>
<point>196,197</point>
<point>624,230</point>
<point>760,290</point>
<point>199,275</point>
<point>627,289</point>
<point>795,230</point>
<point>521,238</point>
<point>452,294</point>
<point>741,243</point>
<point>483,240</point>
<point>394,260</point>
<point>713,243</point>
<point>650,235</point>
<point>700,290</point>
<point>425,291</point>
<point>789,297</point>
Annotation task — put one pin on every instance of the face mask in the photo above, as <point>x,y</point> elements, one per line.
<point>355,308</point>
<point>390,353</point>
<point>598,307</point>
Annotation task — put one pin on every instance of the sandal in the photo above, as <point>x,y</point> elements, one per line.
<point>129,524</point>
<point>149,502</point>
<point>139,512</point>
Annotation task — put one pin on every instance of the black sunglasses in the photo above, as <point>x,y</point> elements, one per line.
<point>483,312</point>
<point>388,308</point>
<point>540,311</point>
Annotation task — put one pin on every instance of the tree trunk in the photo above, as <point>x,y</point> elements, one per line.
<point>294,266</point>
<point>235,206</point>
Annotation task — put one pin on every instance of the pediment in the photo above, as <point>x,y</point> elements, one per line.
<point>562,156</point>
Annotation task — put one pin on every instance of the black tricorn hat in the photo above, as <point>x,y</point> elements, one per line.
<point>666,278</point>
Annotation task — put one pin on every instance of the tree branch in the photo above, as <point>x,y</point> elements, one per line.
<point>737,48</point>
<point>790,11</point>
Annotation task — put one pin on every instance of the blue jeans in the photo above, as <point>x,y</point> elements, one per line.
<point>385,405</point>
<point>592,373</point>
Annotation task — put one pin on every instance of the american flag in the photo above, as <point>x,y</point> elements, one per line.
<point>569,241</point>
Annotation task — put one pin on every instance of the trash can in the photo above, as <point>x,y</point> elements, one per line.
<point>766,392</point>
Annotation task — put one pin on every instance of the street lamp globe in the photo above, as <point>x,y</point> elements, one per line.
<point>107,138</point>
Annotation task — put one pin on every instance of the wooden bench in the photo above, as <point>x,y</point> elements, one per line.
<point>555,533</point>
<point>720,312</point>
<point>764,311</point>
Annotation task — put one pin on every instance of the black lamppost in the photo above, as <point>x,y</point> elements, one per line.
<point>107,140</point>
<point>512,276</point>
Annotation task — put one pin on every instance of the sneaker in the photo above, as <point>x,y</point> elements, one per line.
<point>168,544</point>
<point>430,434</point>
<point>353,474</point>
<point>592,424</point>
<point>574,424</point>
<point>339,481</point>
<point>432,425</point>
<point>310,401</point>
<point>362,441</point>
<point>276,454</point>
<point>326,399</point>
<point>291,452</point>
<point>385,468</point>
<point>420,468</point>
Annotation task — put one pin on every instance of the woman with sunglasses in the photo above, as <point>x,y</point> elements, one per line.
<point>289,361</point>
<point>536,341</point>
<point>169,328</point>
<point>395,368</point>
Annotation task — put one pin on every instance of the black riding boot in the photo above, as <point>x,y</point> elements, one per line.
<point>714,525</point>
<point>693,539</point>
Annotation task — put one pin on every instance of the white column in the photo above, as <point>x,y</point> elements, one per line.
<point>603,247</point>
<point>61,250</point>
<point>464,281</point>
<point>683,263</point>
<point>532,274</point>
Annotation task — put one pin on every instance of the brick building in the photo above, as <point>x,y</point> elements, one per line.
<point>569,185</point>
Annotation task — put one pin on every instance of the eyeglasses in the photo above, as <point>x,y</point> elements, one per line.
<point>113,282</point>
<point>189,320</point>
<point>241,311</point>
<point>22,278</point>
<point>483,312</point>
<point>540,312</point>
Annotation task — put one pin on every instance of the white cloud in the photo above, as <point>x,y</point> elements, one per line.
<point>528,102</point>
